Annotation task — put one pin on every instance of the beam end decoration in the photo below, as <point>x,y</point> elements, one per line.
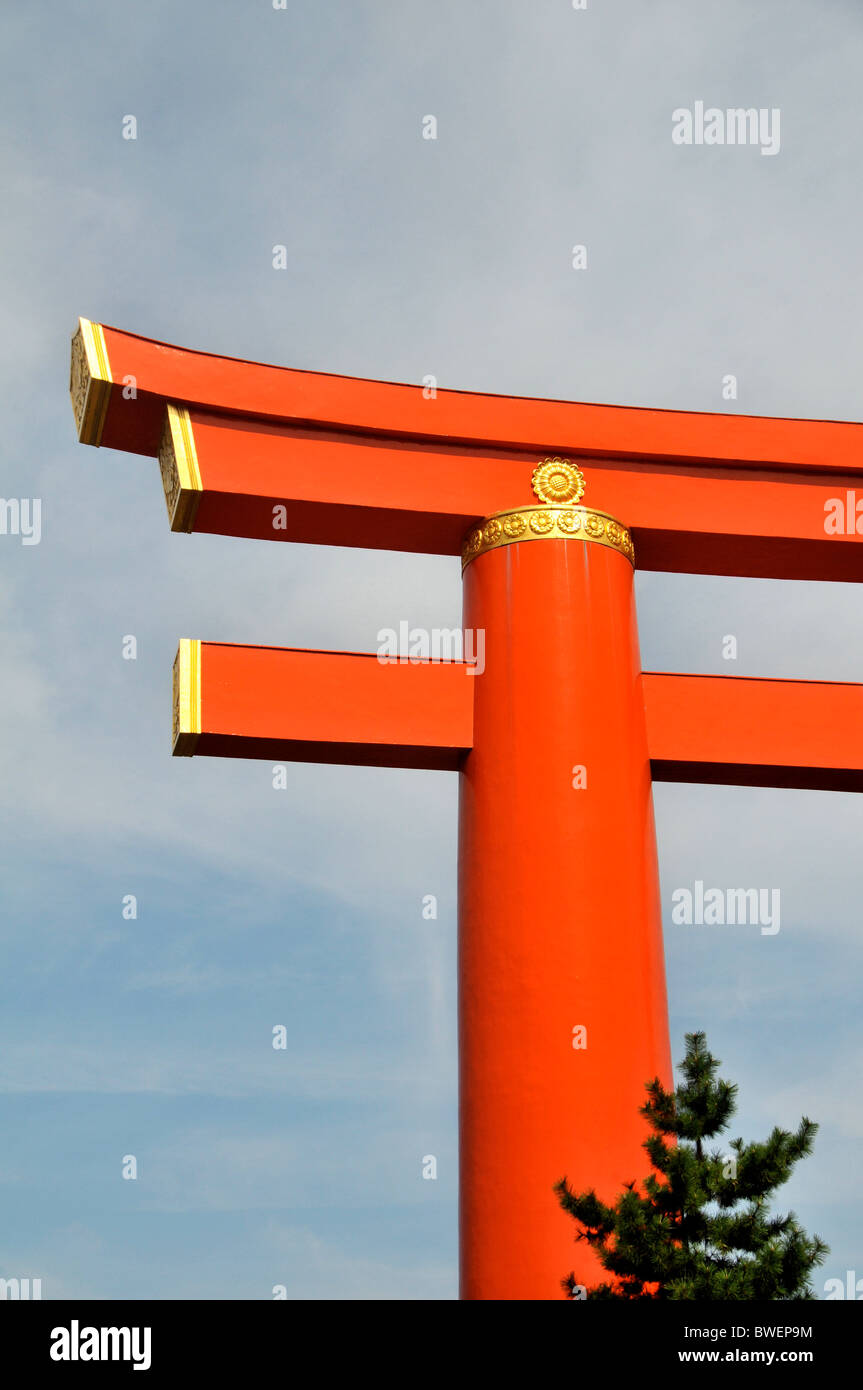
<point>187,699</point>
<point>559,486</point>
<point>181,476</point>
<point>89,381</point>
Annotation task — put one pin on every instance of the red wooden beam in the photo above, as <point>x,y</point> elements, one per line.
<point>159,373</point>
<point>321,707</point>
<point>237,701</point>
<point>317,486</point>
<point>755,733</point>
<point>333,460</point>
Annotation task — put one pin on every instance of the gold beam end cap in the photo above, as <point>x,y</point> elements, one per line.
<point>178,464</point>
<point>89,381</point>
<point>186,723</point>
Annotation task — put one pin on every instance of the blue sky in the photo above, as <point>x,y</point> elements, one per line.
<point>257,907</point>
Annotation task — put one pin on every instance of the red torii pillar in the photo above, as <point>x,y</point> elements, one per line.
<point>562,1012</point>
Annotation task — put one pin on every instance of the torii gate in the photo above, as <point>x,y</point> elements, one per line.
<point>562,1008</point>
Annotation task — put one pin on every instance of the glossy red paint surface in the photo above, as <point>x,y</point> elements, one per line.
<point>702,493</point>
<point>742,731</point>
<point>560,922</point>
<point>333,707</point>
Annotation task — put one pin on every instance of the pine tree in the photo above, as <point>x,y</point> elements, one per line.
<point>700,1227</point>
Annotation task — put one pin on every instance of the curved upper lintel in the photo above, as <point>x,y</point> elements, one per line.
<point>124,383</point>
<point>274,453</point>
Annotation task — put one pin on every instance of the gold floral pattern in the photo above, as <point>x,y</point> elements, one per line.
<point>558,480</point>
<point>89,381</point>
<point>168,468</point>
<point>175,720</point>
<point>540,523</point>
<point>178,464</point>
<point>79,379</point>
<point>514,525</point>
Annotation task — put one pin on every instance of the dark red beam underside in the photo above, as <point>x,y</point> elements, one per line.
<point>737,731</point>
<point>333,707</point>
<point>677,552</point>
<point>797,778</point>
<point>420,758</point>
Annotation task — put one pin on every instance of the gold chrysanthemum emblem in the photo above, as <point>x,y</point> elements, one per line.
<point>557,481</point>
<point>514,525</point>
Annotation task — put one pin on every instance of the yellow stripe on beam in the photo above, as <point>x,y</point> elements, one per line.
<point>187,698</point>
<point>90,381</point>
<point>178,461</point>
